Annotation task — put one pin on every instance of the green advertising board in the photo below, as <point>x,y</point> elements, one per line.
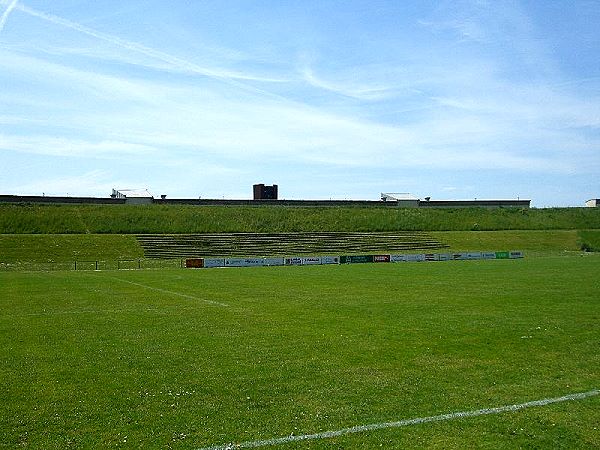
<point>502,255</point>
<point>355,259</point>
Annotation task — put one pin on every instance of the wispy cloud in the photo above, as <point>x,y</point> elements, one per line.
<point>172,122</point>
<point>9,8</point>
<point>368,92</point>
<point>173,62</point>
<point>86,184</point>
<point>60,146</point>
<point>473,90</point>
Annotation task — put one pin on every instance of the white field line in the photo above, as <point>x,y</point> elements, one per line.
<point>403,423</point>
<point>164,291</point>
<point>87,311</point>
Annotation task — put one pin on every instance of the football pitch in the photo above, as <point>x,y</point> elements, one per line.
<point>461,354</point>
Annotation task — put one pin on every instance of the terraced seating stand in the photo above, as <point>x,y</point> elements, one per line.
<point>281,244</point>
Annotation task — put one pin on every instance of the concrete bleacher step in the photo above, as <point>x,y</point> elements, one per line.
<point>279,244</point>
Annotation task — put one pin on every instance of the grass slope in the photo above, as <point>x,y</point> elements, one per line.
<point>33,250</point>
<point>534,243</point>
<point>155,359</point>
<point>161,219</point>
<point>589,240</point>
<point>67,248</point>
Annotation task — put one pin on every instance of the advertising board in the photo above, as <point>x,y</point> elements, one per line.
<point>273,261</point>
<point>488,255</point>
<point>381,258</point>
<point>311,260</point>
<point>357,259</point>
<point>515,254</point>
<point>330,259</point>
<point>214,262</point>
<point>432,257</point>
<point>415,258</point>
<point>474,255</point>
<point>194,263</point>
<point>293,261</point>
<point>243,262</point>
<point>501,255</point>
<point>398,258</point>
<point>444,257</point>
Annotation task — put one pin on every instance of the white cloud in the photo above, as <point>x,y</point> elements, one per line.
<point>348,88</point>
<point>90,183</point>
<point>10,6</point>
<point>128,116</point>
<point>173,62</point>
<point>60,146</point>
<point>430,111</point>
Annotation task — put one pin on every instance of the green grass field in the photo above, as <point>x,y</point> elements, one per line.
<point>195,358</point>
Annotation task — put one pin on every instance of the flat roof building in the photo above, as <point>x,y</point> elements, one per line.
<point>262,192</point>
<point>409,201</point>
<point>133,196</point>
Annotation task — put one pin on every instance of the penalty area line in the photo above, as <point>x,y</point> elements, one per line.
<point>403,423</point>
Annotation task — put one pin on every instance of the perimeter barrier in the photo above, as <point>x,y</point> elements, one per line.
<point>202,263</point>
<point>349,259</point>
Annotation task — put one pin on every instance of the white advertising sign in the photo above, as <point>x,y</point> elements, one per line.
<point>273,261</point>
<point>243,262</point>
<point>293,261</point>
<point>311,260</point>
<point>214,262</point>
<point>330,259</point>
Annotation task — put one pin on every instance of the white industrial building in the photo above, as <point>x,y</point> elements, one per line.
<point>593,203</point>
<point>409,201</point>
<point>133,196</point>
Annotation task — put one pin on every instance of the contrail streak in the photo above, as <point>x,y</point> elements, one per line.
<point>12,5</point>
<point>174,61</point>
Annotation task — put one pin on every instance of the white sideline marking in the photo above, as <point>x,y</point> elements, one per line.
<point>403,423</point>
<point>179,294</point>
<point>85,311</point>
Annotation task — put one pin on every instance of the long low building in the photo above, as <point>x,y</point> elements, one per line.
<point>507,203</point>
<point>387,203</point>
<point>409,201</point>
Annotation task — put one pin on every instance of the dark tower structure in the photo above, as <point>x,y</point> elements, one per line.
<point>262,192</point>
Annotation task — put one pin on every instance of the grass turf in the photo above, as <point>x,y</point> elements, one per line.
<point>151,359</point>
<point>41,252</point>
<point>157,219</point>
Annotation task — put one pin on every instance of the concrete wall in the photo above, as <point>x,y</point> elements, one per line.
<point>59,200</point>
<point>297,203</point>
<point>475,204</point>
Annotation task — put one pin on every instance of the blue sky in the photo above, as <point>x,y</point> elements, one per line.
<point>327,99</point>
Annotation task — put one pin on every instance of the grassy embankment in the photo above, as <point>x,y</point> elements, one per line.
<point>61,233</point>
<point>124,219</point>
